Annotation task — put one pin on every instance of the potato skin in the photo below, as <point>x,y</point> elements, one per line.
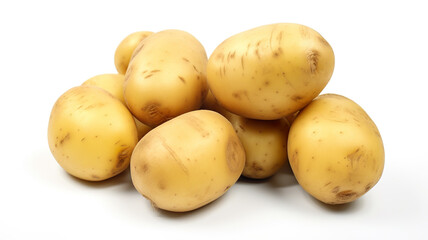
<point>166,77</point>
<point>335,150</point>
<point>270,71</point>
<point>91,134</point>
<point>187,162</point>
<point>264,141</point>
<point>125,49</point>
<point>113,83</point>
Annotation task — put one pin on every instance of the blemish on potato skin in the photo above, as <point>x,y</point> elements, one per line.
<point>335,189</point>
<point>233,154</point>
<point>65,138</point>
<point>345,195</point>
<point>182,79</point>
<point>312,57</point>
<point>226,188</point>
<point>93,176</point>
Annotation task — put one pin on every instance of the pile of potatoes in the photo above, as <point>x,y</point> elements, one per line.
<point>187,127</point>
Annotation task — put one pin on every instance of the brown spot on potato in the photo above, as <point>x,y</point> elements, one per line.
<point>64,139</point>
<point>161,185</point>
<point>240,94</point>
<point>123,156</point>
<point>83,139</point>
<point>242,62</point>
<point>93,176</point>
<point>325,185</point>
<point>256,167</point>
<point>234,154</point>
<point>312,57</point>
<point>294,160</point>
<point>185,59</point>
<point>355,156</point>
<point>173,154</point>
<point>297,98</point>
<point>155,71</point>
<point>335,189</point>
<point>346,195</point>
<point>148,76</point>
<point>145,168</point>
<point>182,79</point>
<point>227,188</point>
<point>198,125</point>
<point>257,53</point>
<point>368,187</point>
<point>155,113</point>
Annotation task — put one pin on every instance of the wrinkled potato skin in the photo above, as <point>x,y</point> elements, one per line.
<point>91,134</point>
<point>187,162</point>
<point>264,141</point>
<point>113,83</point>
<point>124,50</point>
<point>269,72</point>
<point>335,150</point>
<point>166,77</point>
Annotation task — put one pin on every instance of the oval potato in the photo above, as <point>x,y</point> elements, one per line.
<point>125,49</point>
<point>91,134</point>
<point>187,162</point>
<point>166,77</point>
<point>335,150</point>
<point>270,71</point>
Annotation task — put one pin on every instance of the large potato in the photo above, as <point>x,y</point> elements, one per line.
<point>166,77</point>
<point>91,134</point>
<point>187,162</point>
<point>264,141</point>
<point>124,50</point>
<point>335,150</point>
<point>271,71</point>
<point>113,83</point>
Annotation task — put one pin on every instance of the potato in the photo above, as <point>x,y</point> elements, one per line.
<point>270,71</point>
<point>166,77</point>
<point>113,83</point>
<point>335,150</point>
<point>187,162</point>
<point>124,50</point>
<point>91,134</point>
<point>264,141</point>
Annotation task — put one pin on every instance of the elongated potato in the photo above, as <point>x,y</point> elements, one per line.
<point>187,162</point>
<point>335,150</point>
<point>113,83</point>
<point>91,134</point>
<point>264,141</point>
<point>166,77</point>
<point>270,71</point>
<point>124,50</point>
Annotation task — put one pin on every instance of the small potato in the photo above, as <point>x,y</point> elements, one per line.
<point>113,83</point>
<point>264,141</point>
<point>335,150</point>
<point>271,71</point>
<point>187,162</point>
<point>166,77</point>
<point>124,51</point>
<point>91,134</point>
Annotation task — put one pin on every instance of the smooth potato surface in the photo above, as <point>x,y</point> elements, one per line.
<point>187,162</point>
<point>271,71</point>
<point>335,150</point>
<point>91,134</point>
<point>166,77</point>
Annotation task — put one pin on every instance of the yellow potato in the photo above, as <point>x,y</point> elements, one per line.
<point>187,162</point>
<point>113,83</point>
<point>124,50</point>
<point>335,150</point>
<point>264,141</point>
<point>166,77</point>
<point>91,134</point>
<point>270,71</point>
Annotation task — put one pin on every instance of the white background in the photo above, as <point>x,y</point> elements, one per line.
<point>48,47</point>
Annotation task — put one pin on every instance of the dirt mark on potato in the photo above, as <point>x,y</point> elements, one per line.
<point>234,154</point>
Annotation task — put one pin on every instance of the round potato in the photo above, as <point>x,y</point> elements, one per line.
<point>124,50</point>
<point>264,141</point>
<point>166,77</point>
<point>271,71</point>
<point>113,83</point>
<point>335,150</point>
<point>187,162</point>
<point>91,134</point>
